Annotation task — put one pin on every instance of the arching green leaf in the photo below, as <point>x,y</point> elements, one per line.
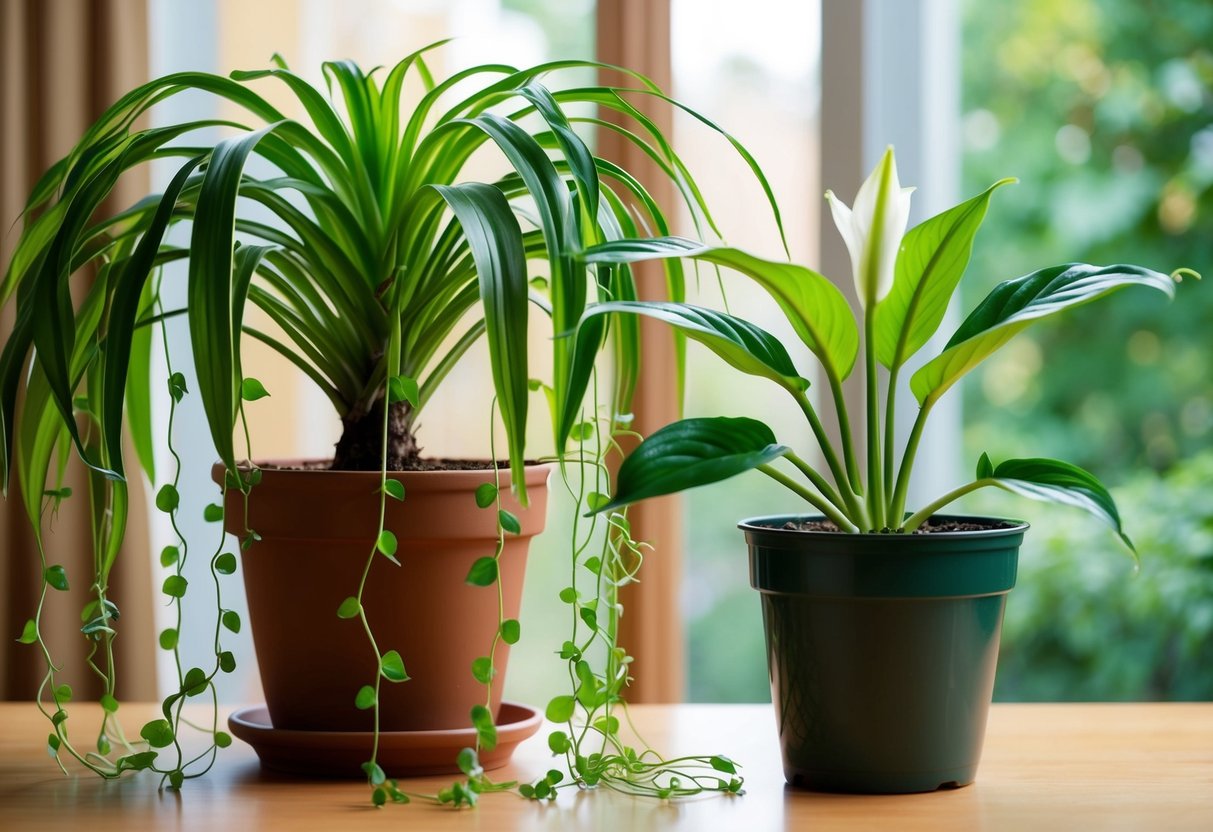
<point>690,453</point>
<point>932,260</point>
<point>1014,305</point>
<point>740,343</point>
<point>1054,481</point>
<point>817,310</point>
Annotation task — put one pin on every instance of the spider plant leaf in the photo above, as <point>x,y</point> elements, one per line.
<point>212,334</point>
<point>690,453</point>
<point>932,260</point>
<point>1054,481</point>
<point>124,310</point>
<point>1013,305</point>
<point>495,240</point>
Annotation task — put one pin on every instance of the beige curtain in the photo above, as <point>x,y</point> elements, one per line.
<point>64,62</point>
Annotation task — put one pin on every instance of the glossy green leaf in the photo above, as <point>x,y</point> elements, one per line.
<point>167,498</point>
<point>509,521</point>
<point>56,576</point>
<point>486,494</point>
<point>929,266</point>
<point>158,733</point>
<point>486,729</point>
<point>483,572</point>
<point>1016,304</point>
<point>741,344</point>
<point>223,739</point>
<point>168,638</point>
<point>251,390</point>
<point>394,489</point>
<point>403,389</point>
<point>1051,480</point>
<point>225,564</point>
<point>511,631</point>
<point>365,698</point>
<point>374,774</point>
<point>231,620</point>
<point>560,709</point>
<point>175,586</point>
<point>350,608</point>
<point>691,453</point>
<point>386,543</point>
<point>483,670</point>
<point>29,634</point>
<point>392,667</point>
<point>109,704</point>
<point>227,661</point>
<point>816,309</point>
<point>195,681</point>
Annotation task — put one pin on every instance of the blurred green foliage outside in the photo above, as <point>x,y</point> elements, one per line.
<point>1104,110</point>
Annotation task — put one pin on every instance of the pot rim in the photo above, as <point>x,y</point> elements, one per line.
<point>762,524</point>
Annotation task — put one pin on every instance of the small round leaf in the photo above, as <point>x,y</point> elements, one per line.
<point>511,631</point>
<point>56,576</point>
<point>167,498</point>
<point>225,564</point>
<point>251,390</point>
<point>486,494</point>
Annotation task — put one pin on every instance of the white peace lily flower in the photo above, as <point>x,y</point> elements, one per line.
<point>873,230</point>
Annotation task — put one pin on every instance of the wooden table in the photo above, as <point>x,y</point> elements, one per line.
<point>1047,767</point>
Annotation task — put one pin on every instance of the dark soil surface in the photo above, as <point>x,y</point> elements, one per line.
<point>930,527</point>
<point>422,464</point>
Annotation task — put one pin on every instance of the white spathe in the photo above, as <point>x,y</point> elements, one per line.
<point>874,228</point>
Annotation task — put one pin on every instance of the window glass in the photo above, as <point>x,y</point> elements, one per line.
<point>753,68</point>
<point>1103,109</point>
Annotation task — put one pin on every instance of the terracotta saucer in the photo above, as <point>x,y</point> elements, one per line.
<point>401,753</point>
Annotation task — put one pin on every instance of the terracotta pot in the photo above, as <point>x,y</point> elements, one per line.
<point>317,528</point>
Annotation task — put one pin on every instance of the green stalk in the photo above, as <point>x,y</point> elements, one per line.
<point>907,460</point>
<point>922,516</point>
<point>890,441</point>
<point>827,449</point>
<point>844,428</point>
<point>819,482</point>
<point>876,504</point>
<point>817,502</point>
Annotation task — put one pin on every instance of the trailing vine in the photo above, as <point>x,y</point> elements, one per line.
<point>594,750</point>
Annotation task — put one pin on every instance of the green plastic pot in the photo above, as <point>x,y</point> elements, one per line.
<point>881,650</point>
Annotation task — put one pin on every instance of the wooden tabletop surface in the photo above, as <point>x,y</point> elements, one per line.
<point>1046,767</point>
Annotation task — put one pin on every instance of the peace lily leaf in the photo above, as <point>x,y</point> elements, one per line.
<point>693,452</point>
<point>1014,305</point>
<point>873,230</point>
<point>1054,481</point>
<point>929,266</point>
<point>741,344</point>
<point>816,309</point>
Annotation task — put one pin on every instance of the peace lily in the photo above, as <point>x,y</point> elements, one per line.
<point>904,280</point>
<point>874,228</point>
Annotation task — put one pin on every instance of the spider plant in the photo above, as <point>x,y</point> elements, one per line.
<point>904,282</point>
<point>367,247</point>
<point>376,252</point>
